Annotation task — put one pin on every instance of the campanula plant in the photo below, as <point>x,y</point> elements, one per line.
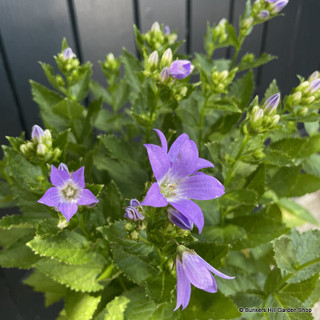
<point>182,206</point>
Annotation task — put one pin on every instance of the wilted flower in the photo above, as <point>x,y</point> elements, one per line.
<point>68,191</point>
<point>132,211</point>
<point>68,54</point>
<point>180,69</point>
<point>192,269</point>
<point>179,219</point>
<point>178,179</point>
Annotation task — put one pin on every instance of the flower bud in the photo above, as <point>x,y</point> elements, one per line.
<point>314,76</point>
<point>277,5</point>
<point>271,104</point>
<point>155,26</point>
<point>296,97</point>
<point>36,133</point>
<point>314,85</point>
<point>63,167</point>
<point>68,54</point>
<point>47,134</point>
<point>263,14</point>
<point>309,100</point>
<point>257,114</point>
<point>132,212</point>
<point>274,120</point>
<point>153,60</point>
<point>24,149</point>
<point>179,219</point>
<point>166,58</point>
<point>41,149</point>
<point>302,111</point>
<point>166,30</point>
<point>248,23</point>
<point>164,75</point>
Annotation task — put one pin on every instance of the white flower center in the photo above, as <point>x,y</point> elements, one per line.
<point>168,190</point>
<point>70,192</point>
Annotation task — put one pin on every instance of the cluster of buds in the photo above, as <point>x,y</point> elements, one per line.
<point>221,80</point>
<point>68,64</point>
<point>262,10</point>
<point>218,35</point>
<point>306,94</point>
<point>159,36</point>
<point>264,118</point>
<point>40,146</point>
<point>111,67</point>
<point>134,212</point>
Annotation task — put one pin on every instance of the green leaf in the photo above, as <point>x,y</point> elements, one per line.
<point>281,180</point>
<point>68,246</point>
<point>18,221</point>
<point>40,282</point>
<point>312,128</point>
<point>263,59</point>
<point>68,109</point>
<point>205,307</point>
<point>256,180</point>
<point>136,268</point>
<point>165,312</point>
<point>116,308</point>
<point>46,99</point>
<point>305,183</point>
<point>277,158</point>
<point>18,256</point>
<point>100,92</point>
<point>77,277</point>
<point>311,165</point>
<point>223,104</point>
<point>48,70</point>
<point>80,306</point>
<point>261,227</point>
<point>298,254</point>
<point>293,214</point>
<point>232,35</point>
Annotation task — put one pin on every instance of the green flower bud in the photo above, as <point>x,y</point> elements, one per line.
<point>302,111</point>
<point>274,120</point>
<point>313,76</point>
<point>155,26</point>
<point>41,149</point>
<point>259,154</point>
<point>153,60</point>
<point>296,98</point>
<point>129,226</point>
<point>166,58</point>
<point>309,100</point>
<point>24,149</point>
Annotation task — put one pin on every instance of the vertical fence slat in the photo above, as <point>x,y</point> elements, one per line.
<point>104,26</point>
<point>32,31</point>
<point>9,121</point>
<point>203,11</point>
<point>168,12</point>
<point>280,41</point>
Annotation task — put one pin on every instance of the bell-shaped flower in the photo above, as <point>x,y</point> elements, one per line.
<point>132,212</point>
<point>192,269</point>
<point>180,69</point>
<point>68,191</point>
<point>178,179</point>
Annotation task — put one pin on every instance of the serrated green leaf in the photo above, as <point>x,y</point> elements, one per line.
<point>77,277</point>
<point>80,88</point>
<point>18,221</point>
<point>223,235</point>
<point>80,306</point>
<point>68,109</point>
<point>69,247</point>
<point>263,59</point>
<point>116,308</point>
<point>312,128</point>
<point>48,70</point>
<point>256,180</point>
<point>134,267</point>
<point>305,183</point>
<point>271,90</point>
<point>6,196</point>
<point>277,158</point>
<point>165,312</point>
<point>100,92</point>
<point>53,291</point>
<point>311,165</point>
<point>242,89</point>
<point>298,254</point>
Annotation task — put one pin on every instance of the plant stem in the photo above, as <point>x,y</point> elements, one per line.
<point>202,115</point>
<point>230,172</point>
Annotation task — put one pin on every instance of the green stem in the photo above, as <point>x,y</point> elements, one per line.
<point>202,116</point>
<point>230,172</point>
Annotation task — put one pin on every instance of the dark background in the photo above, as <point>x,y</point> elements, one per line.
<point>31,31</point>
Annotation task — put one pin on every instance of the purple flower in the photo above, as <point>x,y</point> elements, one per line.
<point>271,103</point>
<point>68,191</point>
<point>178,179</point>
<point>180,69</point>
<point>132,211</point>
<point>68,54</point>
<point>278,5</point>
<point>166,30</point>
<point>192,269</point>
<point>179,219</point>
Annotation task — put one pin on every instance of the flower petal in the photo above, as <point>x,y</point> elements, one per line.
<point>175,147</point>
<point>78,177</point>
<point>87,197</point>
<point>58,177</point>
<point>214,287</point>
<point>212,269</point>
<point>196,272</point>
<point>200,187</point>
<point>183,287</point>
<point>203,163</point>
<point>154,198</point>
<point>51,198</point>
<point>190,210</point>
<point>163,140</point>
<point>68,209</point>
<point>185,162</point>
<point>159,160</point>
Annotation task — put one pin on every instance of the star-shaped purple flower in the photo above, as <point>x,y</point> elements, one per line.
<point>68,191</point>
<point>192,269</point>
<point>178,179</point>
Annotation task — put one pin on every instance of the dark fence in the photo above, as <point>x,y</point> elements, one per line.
<point>31,31</point>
